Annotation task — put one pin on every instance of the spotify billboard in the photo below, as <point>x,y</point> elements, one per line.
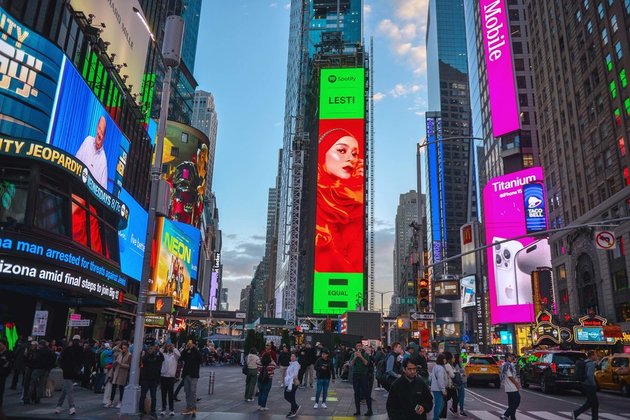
<point>338,284</point>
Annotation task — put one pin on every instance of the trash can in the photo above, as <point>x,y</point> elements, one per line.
<point>211,384</point>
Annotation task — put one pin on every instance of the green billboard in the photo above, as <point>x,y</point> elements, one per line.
<point>342,94</point>
<point>337,293</point>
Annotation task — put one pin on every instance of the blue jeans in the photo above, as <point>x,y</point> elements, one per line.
<point>461,392</point>
<point>438,402</point>
<point>322,385</point>
<point>263,392</point>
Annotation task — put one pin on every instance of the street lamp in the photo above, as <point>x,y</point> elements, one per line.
<point>171,51</point>
<point>382,293</point>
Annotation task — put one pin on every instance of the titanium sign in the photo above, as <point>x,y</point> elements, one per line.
<point>535,214</point>
<point>29,71</point>
<point>338,284</point>
<point>498,55</point>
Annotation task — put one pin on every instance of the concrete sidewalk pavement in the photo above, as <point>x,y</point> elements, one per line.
<point>227,400</point>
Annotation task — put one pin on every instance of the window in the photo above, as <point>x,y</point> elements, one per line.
<point>589,27</point>
<point>51,211</point>
<point>622,146</point>
<point>13,195</point>
<point>626,105</point>
<point>578,15</point>
<point>528,160</point>
<point>605,36</point>
<point>600,10</point>
<point>618,50</point>
<point>613,24</point>
<point>613,89</point>
<point>585,4</point>
<point>623,79</point>
<point>608,158</point>
<point>609,64</point>
<point>617,114</point>
<point>626,4</point>
<point>620,280</point>
<point>604,364</point>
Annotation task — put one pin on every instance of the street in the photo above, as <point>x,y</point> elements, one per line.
<point>483,403</point>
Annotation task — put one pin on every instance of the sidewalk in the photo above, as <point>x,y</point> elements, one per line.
<point>227,401</point>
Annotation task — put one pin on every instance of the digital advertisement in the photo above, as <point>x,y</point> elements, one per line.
<point>498,57</point>
<point>29,72</point>
<point>83,128</point>
<point>514,257</point>
<point>131,239</point>
<point>535,212</point>
<point>185,165</point>
<point>468,292</point>
<point>338,284</point>
<point>177,257</point>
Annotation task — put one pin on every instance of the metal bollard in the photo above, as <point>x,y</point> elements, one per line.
<point>211,384</point>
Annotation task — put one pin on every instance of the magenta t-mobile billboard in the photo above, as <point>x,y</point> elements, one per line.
<point>500,71</point>
<point>511,262</point>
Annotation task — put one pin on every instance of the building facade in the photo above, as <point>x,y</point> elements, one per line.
<point>406,219</point>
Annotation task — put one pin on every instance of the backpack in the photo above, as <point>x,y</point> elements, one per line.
<point>580,371</point>
<point>381,366</point>
<point>263,376</point>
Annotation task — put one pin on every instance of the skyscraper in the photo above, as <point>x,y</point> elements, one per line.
<point>406,216</point>
<point>451,200</point>
<point>204,118</point>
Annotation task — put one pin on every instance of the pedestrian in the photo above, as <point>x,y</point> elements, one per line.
<point>511,387</point>
<point>325,372</point>
<point>107,364</point>
<point>120,372</point>
<point>409,396</point>
<point>178,376</point>
<point>439,382</point>
<point>167,376</point>
<point>265,369</point>
<point>291,383</point>
<point>378,356</point>
<point>459,380</point>
<point>589,387</point>
<point>5,367</point>
<point>360,380</point>
<point>150,370</point>
<point>422,365</point>
<point>371,368</point>
<point>43,361</point>
<point>393,365</point>
<point>284,358</point>
<point>309,369</point>
<point>451,392</point>
<point>251,362</point>
<point>191,356</point>
<point>29,360</point>
<point>19,353</point>
<point>71,361</point>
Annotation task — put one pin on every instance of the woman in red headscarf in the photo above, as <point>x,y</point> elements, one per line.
<point>339,218</point>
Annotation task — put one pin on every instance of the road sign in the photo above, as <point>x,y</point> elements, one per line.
<point>79,322</point>
<point>422,316</point>
<point>605,240</point>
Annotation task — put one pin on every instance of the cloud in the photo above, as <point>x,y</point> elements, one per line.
<point>240,259</point>
<point>383,265</point>
<point>367,9</point>
<point>404,90</point>
<point>273,5</point>
<point>378,96</point>
<point>415,10</point>
<point>287,6</point>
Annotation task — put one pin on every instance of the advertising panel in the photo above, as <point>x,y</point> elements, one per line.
<point>83,128</point>
<point>338,284</point>
<point>498,57</point>
<point>29,72</point>
<point>214,285</point>
<point>468,291</point>
<point>185,167</point>
<point>131,239</point>
<point>512,260</point>
<point>447,289</point>
<point>123,28</point>
<point>177,258</point>
<point>542,289</point>
<point>535,212</point>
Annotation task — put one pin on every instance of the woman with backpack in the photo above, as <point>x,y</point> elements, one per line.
<point>451,390</point>
<point>439,382</point>
<point>459,381</point>
<point>265,368</point>
<point>251,367</point>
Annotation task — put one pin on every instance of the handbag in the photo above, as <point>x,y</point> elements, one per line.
<point>245,370</point>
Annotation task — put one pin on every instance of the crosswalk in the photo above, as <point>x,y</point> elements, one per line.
<point>543,415</point>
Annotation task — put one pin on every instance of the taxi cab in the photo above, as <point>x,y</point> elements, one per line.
<point>613,372</point>
<point>482,368</point>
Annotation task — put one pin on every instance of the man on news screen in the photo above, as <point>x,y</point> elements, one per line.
<point>91,153</point>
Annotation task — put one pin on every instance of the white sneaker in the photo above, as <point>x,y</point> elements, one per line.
<point>162,413</point>
<point>324,405</point>
<point>58,410</point>
<point>316,406</point>
<point>118,405</point>
<point>72,411</point>
<point>172,413</point>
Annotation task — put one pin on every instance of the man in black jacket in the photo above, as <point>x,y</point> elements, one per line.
<point>325,371</point>
<point>191,357</point>
<point>43,361</point>
<point>409,397</point>
<point>150,377</point>
<point>284,358</point>
<point>71,362</point>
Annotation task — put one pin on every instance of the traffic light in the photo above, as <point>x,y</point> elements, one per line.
<point>423,293</point>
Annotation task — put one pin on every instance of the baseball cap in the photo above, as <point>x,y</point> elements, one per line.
<point>107,345</point>
<point>76,337</point>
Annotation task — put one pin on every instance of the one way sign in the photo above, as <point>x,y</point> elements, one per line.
<point>422,316</point>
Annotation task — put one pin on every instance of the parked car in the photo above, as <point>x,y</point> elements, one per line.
<point>482,368</point>
<point>613,372</point>
<point>551,370</point>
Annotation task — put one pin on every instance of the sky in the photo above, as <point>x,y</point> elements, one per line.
<point>242,59</point>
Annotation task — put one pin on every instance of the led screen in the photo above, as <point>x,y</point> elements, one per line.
<point>511,262</point>
<point>177,258</point>
<point>83,128</point>
<point>131,240</point>
<point>498,57</point>
<point>534,201</point>
<point>468,290</point>
<point>338,284</point>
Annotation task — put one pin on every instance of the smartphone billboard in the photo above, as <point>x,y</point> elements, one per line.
<point>338,284</point>
<point>468,291</point>
<point>513,259</point>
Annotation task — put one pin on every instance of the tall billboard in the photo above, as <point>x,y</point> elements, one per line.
<point>498,56</point>
<point>176,260</point>
<point>131,239</point>
<point>513,259</point>
<point>124,31</point>
<point>338,283</point>
<point>185,167</point>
